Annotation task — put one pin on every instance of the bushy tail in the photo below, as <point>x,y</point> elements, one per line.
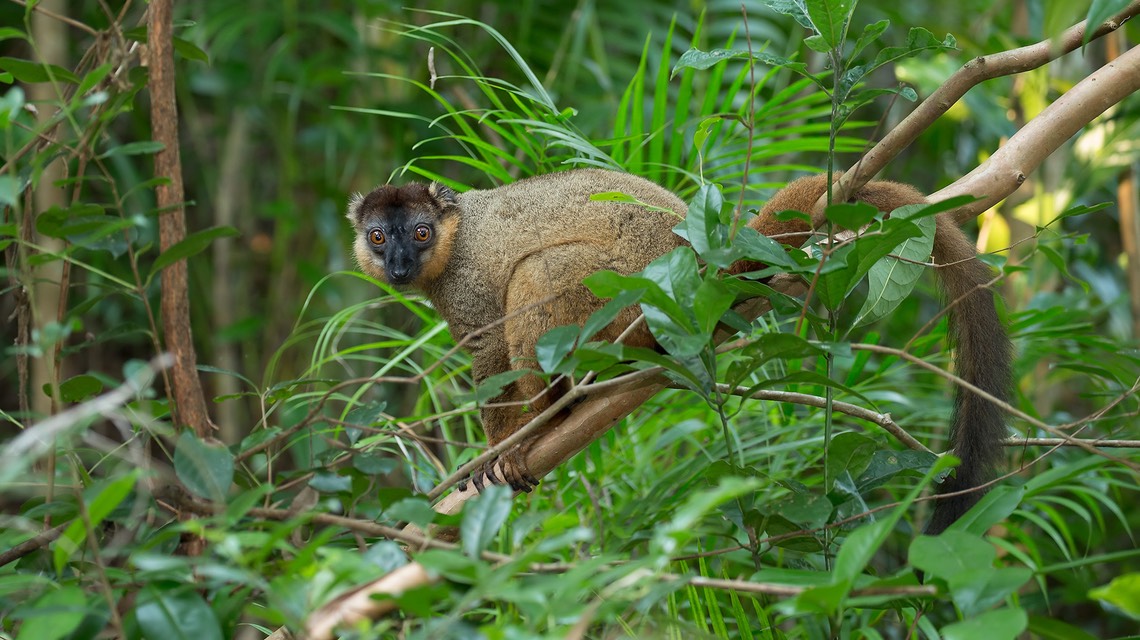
<point>984,359</point>
<point>984,353</point>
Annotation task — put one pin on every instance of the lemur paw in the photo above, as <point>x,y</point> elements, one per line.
<point>511,466</point>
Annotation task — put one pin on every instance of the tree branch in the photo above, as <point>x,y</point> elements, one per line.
<point>189,402</point>
<point>971,74</point>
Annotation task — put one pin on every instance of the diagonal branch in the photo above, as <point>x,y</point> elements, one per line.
<point>971,74</point>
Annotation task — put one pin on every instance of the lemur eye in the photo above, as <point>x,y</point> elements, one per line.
<point>376,237</point>
<point>423,232</point>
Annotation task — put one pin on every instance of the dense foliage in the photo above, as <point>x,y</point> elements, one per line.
<point>703,514</point>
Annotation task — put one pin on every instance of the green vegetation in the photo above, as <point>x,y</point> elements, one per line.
<point>340,403</point>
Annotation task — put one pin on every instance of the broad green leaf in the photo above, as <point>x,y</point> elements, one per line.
<point>330,482</point>
<point>374,464</point>
<point>602,318</point>
<point>483,516</point>
<point>554,345</point>
<point>1123,593</point>
<point>951,554</point>
<point>887,463</point>
<point>857,550</point>
<point>54,615</point>
<point>870,33</point>
<point>9,192</point>
<point>493,386</point>
<point>753,245</point>
<point>891,280</point>
<point>851,452</point>
<point>1052,629</point>
<point>205,468</point>
<point>697,59</point>
<point>918,40</point>
<point>189,50</point>
<point>702,221</point>
<point>807,510</point>
<point>851,215</point>
<point>977,592</point>
<point>366,415</point>
<point>994,507</point>
<point>681,527</point>
<point>176,612</point>
<point>1003,624</point>
<point>793,8</point>
<point>712,300</point>
<point>101,500</point>
<point>80,388</point>
<point>452,565</point>
<point>414,510</point>
<point>189,246</point>
<point>33,72</point>
<point>141,147</point>
<point>829,17</point>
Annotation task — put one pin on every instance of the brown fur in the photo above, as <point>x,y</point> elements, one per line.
<point>984,351</point>
<point>521,251</point>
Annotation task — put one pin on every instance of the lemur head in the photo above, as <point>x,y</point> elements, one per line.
<point>404,234</point>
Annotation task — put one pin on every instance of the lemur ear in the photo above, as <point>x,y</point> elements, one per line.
<point>354,203</point>
<point>443,194</point>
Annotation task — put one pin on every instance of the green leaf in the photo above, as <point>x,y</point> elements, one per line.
<point>702,221</point>
<point>205,468</point>
<point>189,246</point>
<point>105,498</point>
<point>9,192</point>
<point>493,386</point>
<point>483,516</point>
<point>697,59</point>
<point>858,549</point>
<point>330,482</point>
<point>374,464</point>
<point>817,43</point>
<point>1003,624</point>
<point>1123,594</point>
<point>753,245</point>
<point>7,33</point>
<point>887,463</point>
<point>32,72</point>
<point>793,8</point>
<point>829,17</point>
<point>1099,12</point>
<point>870,33</point>
<point>808,511</point>
<point>891,280</point>
<point>54,615</point>
<point>602,318</point>
<point>176,613</point>
<point>851,215</point>
<point>79,388</point>
<point>451,565</point>
<point>994,507</point>
<point>951,554</point>
<point>414,510</point>
<point>1051,629</point>
<point>851,452</point>
<point>142,147</point>
<point>554,345</point>
<point>918,40</point>
<point>189,50</point>
<point>712,300</point>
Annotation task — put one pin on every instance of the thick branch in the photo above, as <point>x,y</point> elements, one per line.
<point>1008,167</point>
<point>970,75</point>
<point>189,403</point>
